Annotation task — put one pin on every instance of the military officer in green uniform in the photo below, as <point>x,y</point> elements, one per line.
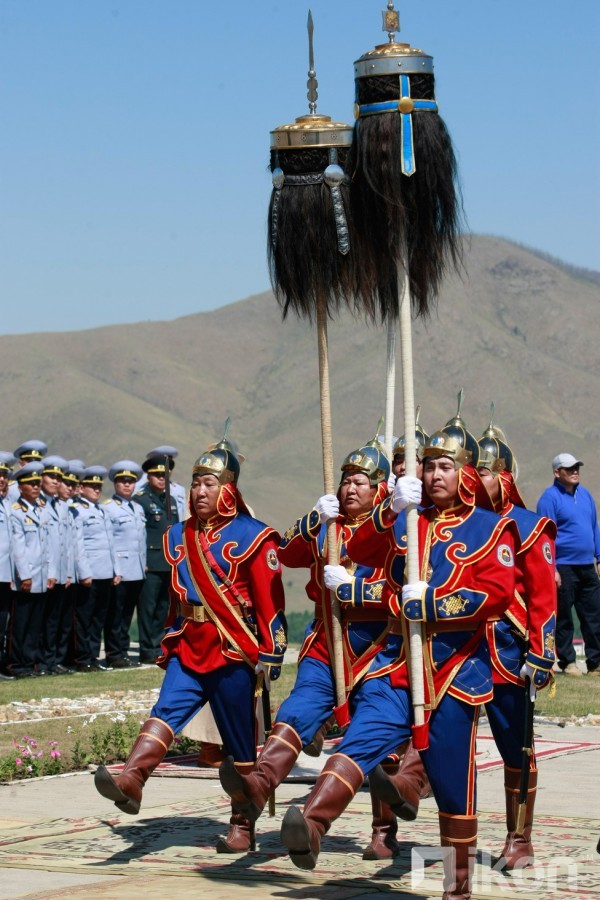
<point>154,600</point>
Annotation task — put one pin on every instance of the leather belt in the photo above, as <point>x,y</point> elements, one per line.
<point>198,613</point>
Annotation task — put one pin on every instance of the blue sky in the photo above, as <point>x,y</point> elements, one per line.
<point>135,138</point>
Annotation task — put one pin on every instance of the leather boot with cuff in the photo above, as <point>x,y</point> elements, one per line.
<point>314,748</point>
<point>249,792</point>
<point>402,785</point>
<point>301,832</point>
<point>385,827</point>
<point>459,833</point>
<point>240,837</point>
<point>125,788</point>
<point>518,849</point>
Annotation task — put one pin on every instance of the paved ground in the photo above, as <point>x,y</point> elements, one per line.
<point>568,786</point>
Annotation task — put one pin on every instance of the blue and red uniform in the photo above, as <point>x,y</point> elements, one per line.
<point>467,559</point>
<point>364,602</point>
<point>525,633</point>
<point>226,615</point>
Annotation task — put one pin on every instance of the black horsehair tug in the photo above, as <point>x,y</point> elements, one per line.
<point>407,211</point>
<point>313,270</point>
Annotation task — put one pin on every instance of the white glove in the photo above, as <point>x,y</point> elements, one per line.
<point>260,667</point>
<point>414,591</point>
<point>528,672</point>
<point>328,507</point>
<point>406,490</point>
<point>391,483</point>
<point>335,575</point>
<point>413,605</point>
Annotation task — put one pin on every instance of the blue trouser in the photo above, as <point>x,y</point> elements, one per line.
<point>506,714</point>
<point>381,722</point>
<point>229,691</point>
<point>311,701</point>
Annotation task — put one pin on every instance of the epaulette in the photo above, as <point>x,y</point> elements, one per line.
<point>42,501</point>
<point>117,500</point>
<point>142,491</point>
<point>82,502</point>
<point>104,502</point>
<point>17,505</point>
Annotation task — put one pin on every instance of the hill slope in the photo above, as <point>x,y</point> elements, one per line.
<point>517,329</point>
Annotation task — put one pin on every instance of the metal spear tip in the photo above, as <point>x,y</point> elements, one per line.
<point>391,21</point>
<point>312,82</point>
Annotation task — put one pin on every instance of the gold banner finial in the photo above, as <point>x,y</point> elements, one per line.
<point>391,22</point>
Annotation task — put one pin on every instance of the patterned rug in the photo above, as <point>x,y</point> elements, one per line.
<point>307,768</point>
<point>179,839</point>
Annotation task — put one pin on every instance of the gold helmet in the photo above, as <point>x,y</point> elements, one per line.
<point>454,441</point>
<point>221,460</point>
<point>371,459</point>
<point>421,438</point>
<point>494,452</point>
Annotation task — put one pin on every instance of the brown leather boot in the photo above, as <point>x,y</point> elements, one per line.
<point>460,833</point>
<point>125,789</point>
<point>315,747</point>
<point>385,827</point>
<point>301,833</point>
<point>211,755</point>
<point>401,785</point>
<point>250,792</point>
<point>240,837</point>
<point>518,849</point>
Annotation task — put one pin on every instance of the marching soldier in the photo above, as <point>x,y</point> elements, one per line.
<point>467,570</point>
<point>34,572</point>
<point>363,594</point>
<point>128,524</point>
<point>154,599</point>
<point>522,640</point>
<point>98,570</point>
<point>226,626</point>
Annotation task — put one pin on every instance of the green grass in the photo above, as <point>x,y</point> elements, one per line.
<point>574,697</point>
<point>82,741</point>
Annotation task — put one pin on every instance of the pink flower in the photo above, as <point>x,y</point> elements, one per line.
<point>40,754</point>
<point>55,754</point>
<point>18,761</point>
<point>30,768</point>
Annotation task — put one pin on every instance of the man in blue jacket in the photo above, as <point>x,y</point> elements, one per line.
<point>573,509</point>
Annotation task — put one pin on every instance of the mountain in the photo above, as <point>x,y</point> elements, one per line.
<point>516,328</point>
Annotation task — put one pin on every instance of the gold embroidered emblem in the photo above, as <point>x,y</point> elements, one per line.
<point>292,530</point>
<point>375,591</point>
<point>454,605</point>
<point>549,644</point>
<point>280,639</point>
